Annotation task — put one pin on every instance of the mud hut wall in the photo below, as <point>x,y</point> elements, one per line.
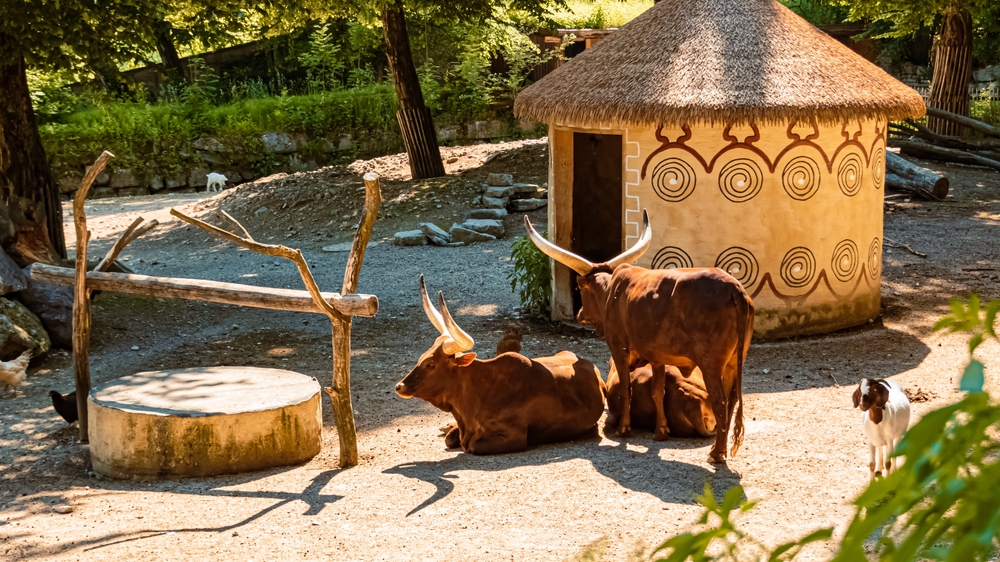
<point>794,211</point>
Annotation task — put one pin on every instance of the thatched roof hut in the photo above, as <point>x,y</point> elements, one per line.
<point>717,61</point>
<point>756,142</point>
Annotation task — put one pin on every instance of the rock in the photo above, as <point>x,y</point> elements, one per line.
<point>213,158</point>
<point>53,304</point>
<point>63,509</point>
<point>282,143</point>
<point>260,211</point>
<point>495,214</point>
<point>198,176</point>
<point>346,142</point>
<point>485,129</point>
<point>234,176</point>
<point>467,236</point>
<point>540,194</point>
<point>132,191</point>
<point>499,179</point>
<point>156,183</point>
<point>525,187</point>
<point>495,203</point>
<point>454,244</point>
<point>70,182</point>
<point>178,180</point>
<point>499,192</point>
<point>12,279</point>
<point>123,178</point>
<point>102,192</point>
<point>209,144</point>
<point>485,226</point>
<point>21,330</point>
<point>987,74</point>
<point>438,241</point>
<point>523,205</point>
<point>448,133</point>
<point>102,178</point>
<point>526,126</point>
<point>410,238</point>
<point>249,174</point>
<point>431,229</point>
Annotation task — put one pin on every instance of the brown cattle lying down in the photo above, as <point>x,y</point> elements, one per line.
<point>507,403</point>
<point>685,401</point>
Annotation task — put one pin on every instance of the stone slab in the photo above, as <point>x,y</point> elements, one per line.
<point>495,214</point>
<point>203,421</point>
<point>485,226</point>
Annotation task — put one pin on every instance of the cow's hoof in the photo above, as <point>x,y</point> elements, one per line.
<point>661,435</point>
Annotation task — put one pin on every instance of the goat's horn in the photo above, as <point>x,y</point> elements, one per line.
<point>569,259</point>
<point>433,315</point>
<point>635,252</point>
<point>464,340</point>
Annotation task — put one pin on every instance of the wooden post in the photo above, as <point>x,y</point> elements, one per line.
<point>952,70</point>
<point>81,297</point>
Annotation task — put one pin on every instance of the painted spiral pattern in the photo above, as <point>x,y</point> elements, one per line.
<point>673,180</point>
<point>875,258</point>
<point>798,267</point>
<point>849,174</point>
<point>740,180</point>
<point>844,262</point>
<point>670,257</point>
<point>739,263</point>
<point>800,178</point>
<point>878,167</point>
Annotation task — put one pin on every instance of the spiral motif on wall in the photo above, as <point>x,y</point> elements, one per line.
<point>798,267</point>
<point>740,180</point>
<point>875,258</point>
<point>849,174</point>
<point>673,180</point>
<point>670,257</point>
<point>800,178</point>
<point>878,167</point>
<point>845,260</point>
<point>739,263</point>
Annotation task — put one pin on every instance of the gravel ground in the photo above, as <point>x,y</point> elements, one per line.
<point>804,458</point>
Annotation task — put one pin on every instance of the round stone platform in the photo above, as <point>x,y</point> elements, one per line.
<point>203,421</point>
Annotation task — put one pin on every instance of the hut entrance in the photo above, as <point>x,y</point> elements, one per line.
<point>597,200</point>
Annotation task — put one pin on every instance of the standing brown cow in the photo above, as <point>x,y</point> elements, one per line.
<point>675,317</point>
<point>685,401</point>
<point>507,403</point>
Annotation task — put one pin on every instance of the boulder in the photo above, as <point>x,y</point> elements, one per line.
<point>70,182</point>
<point>524,205</point>
<point>466,236</point>
<point>495,214</point>
<point>53,305</point>
<point>198,176</point>
<point>448,133</point>
<point>12,279</point>
<point>102,178</point>
<point>102,192</point>
<point>520,188</point>
<point>410,238</point>
<point>494,202</point>
<point>123,178</point>
<point>434,231</point>
<point>157,183</point>
<point>485,129</point>
<point>20,330</point>
<point>178,180</point>
<point>346,142</point>
<point>499,192</point>
<point>485,226</point>
<point>282,143</point>
<point>209,144</point>
<point>499,179</point>
<point>213,157</point>
<point>526,126</point>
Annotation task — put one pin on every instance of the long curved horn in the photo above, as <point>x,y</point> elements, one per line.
<point>635,252</point>
<point>569,259</point>
<point>433,315</point>
<point>463,339</point>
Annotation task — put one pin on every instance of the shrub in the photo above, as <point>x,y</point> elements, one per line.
<point>531,272</point>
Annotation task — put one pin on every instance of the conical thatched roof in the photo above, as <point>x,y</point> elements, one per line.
<point>716,61</point>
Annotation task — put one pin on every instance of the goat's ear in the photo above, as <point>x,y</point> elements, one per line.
<point>881,395</point>
<point>465,359</point>
<point>857,396</point>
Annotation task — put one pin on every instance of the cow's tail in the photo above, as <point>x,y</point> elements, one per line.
<point>744,324</point>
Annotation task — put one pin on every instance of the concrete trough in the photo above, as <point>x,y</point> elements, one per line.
<point>203,421</point>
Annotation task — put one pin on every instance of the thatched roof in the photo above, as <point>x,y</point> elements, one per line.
<point>717,61</point>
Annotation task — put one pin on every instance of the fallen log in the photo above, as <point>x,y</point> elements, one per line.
<point>915,129</point>
<point>974,124</point>
<point>209,291</point>
<point>923,150</point>
<point>906,176</point>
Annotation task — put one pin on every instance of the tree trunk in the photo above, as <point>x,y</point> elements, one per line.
<point>28,190</point>
<point>414,117</point>
<point>952,70</point>
<point>168,53</point>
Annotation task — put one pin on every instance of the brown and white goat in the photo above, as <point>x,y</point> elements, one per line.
<point>886,416</point>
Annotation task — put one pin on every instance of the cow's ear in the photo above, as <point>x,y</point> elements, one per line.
<point>857,396</point>
<point>464,359</point>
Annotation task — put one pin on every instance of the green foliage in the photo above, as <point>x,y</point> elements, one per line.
<point>909,16</point>
<point>596,14</point>
<point>942,504</point>
<point>986,110</point>
<point>818,12</point>
<point>323,61</point>
<point>531,272</point>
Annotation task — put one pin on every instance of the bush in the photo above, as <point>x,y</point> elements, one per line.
<point>531,272</point>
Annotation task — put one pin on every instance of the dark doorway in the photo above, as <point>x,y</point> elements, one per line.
<point>597,200</point>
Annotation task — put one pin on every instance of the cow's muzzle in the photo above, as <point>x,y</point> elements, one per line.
<point>402,391</point>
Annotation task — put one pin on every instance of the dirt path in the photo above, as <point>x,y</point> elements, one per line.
<point>804,458</point>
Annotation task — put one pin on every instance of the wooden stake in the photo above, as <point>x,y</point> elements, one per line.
<point>81,298</point>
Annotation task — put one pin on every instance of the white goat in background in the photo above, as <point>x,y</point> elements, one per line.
<point>886,417</point>
<point>216,182</point>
